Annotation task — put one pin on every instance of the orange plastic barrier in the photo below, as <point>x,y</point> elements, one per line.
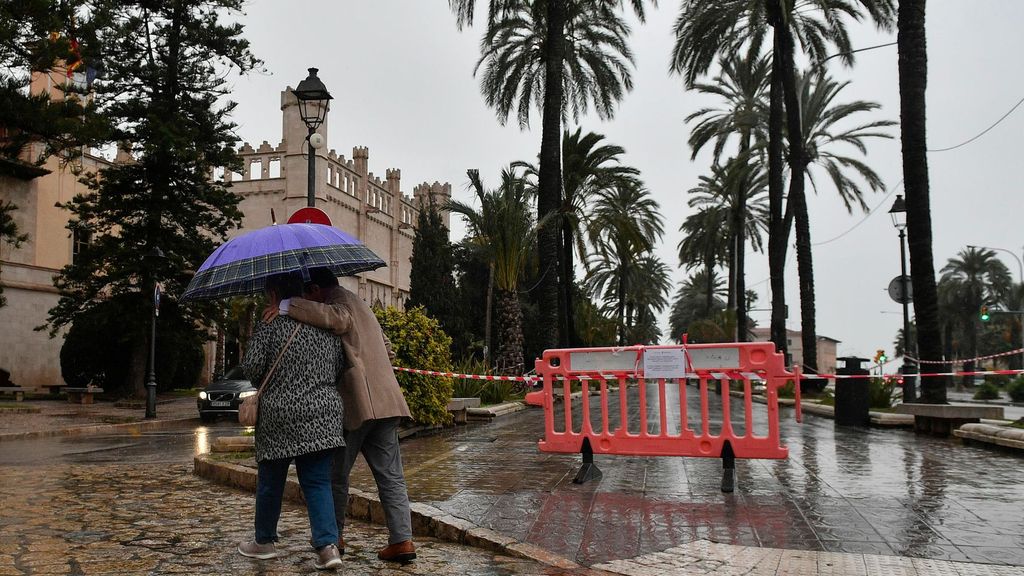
<point>664,426</point>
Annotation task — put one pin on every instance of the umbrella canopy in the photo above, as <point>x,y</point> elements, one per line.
<point>241,265</point>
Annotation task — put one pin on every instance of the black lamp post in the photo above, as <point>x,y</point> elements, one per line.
<point>154,256</point>
<point>898,212</point>
<point>313,100</point>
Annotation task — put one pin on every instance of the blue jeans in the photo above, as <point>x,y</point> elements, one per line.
<point>314,472</point>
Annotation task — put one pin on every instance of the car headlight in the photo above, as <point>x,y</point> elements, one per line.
<point>202,395</point>
<point>247,393</point>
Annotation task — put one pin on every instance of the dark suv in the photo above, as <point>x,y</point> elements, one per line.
<point>224,395</point>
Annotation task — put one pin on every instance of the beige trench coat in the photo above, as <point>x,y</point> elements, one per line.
<point>368,386</point>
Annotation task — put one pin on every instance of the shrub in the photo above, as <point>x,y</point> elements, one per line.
<point>497,391</point>
<point>420,343</point>
<point>1016,389</point>
<point>880,392</point>
<point>987,391</point>
<point>998,380</point>
<point>788,391</point>
<point>468,387</point>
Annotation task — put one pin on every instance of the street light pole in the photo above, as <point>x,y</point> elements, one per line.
<point>313,100</point>
<point>154,256</point>
<point>1020,269</point>
<point>898,212</point>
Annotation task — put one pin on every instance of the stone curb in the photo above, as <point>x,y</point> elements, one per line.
<point>879,419</point>
<point>97,428</point>
<point>426,519</point>
<point>987,433</point>
<point>489,412</point>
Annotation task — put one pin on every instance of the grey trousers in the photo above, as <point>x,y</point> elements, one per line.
<point>377,440</point>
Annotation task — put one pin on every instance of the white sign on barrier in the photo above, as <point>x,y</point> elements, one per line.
<point>714,358</point>
<point>664,363</point>
<point>598,361</point>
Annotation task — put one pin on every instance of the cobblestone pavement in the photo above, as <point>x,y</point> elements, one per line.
<point>78,519</point>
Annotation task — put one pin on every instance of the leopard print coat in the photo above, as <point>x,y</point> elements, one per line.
<point>300,408</point>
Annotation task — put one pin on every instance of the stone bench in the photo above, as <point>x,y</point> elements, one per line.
<point>941,419</point>
<point>458,407</point>
<point>81,395</point>
<point>17,391</point>
<point>54,389</point>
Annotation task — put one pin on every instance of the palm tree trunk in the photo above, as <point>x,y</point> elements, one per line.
<point>777,236</point>
<point>739,240</point>
<point>568,279</point>
<point>797,169</point>
<point>509,360</point>
<point>487,314</point>
<point>620,306</point>
<point>549,178</point>
<point>913,71</point>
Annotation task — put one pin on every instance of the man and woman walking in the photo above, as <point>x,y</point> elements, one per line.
<point>338,345</point>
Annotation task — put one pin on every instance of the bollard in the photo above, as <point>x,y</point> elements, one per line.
<point>852,399</point>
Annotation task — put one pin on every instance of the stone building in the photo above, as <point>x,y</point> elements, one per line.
<point>274,179</point>
<point>826,348</point>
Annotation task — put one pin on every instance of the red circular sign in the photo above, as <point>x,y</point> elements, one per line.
<point>310,215</point>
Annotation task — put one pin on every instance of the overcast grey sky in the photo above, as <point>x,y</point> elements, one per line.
<point>401,77</point>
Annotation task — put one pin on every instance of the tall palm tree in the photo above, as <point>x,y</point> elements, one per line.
<point>706,29</point>
<point>743,84</point>
<point>561,55</point>
<point>913,79</point>
<point>588,165</point>
<point>690,302</point>
<point>504,228</point>
<point>739,189</point>
<point>824,141</point>
<point>625,224</point>
<point>974,278</point>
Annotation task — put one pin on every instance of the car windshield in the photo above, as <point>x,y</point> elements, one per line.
<point>235,373</point>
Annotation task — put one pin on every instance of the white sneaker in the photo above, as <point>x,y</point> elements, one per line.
<point>251,549</point>
<point>328,558</point>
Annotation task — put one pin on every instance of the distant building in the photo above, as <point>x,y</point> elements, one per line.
<point>274,178</point>
<point>826,348</point>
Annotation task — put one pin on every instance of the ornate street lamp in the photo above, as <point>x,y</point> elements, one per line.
<point>154,257</point>
<point>313,100</point>
<point>898,212</point>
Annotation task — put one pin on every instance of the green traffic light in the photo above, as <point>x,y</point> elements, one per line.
<point>984,314</point>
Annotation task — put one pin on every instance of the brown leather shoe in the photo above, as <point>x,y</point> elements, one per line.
<point>401,552</point>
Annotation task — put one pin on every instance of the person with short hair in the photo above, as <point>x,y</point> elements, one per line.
<point>374,405</point>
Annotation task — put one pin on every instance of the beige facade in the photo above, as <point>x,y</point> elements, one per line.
<point>826,348</point>
<point>274,178</point>
<point>274,182</point>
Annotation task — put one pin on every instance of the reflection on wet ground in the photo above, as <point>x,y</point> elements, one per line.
<point>879,491</point>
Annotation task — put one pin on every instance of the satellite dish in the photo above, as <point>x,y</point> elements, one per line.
<point>316,141</point>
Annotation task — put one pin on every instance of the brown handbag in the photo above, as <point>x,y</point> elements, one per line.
<point>249,410</point>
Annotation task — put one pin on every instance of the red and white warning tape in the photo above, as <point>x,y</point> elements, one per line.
<point>976,358</point>
<point>471,376</point>
<point>715,375</point>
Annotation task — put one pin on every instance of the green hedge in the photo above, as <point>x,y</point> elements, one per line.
<point>1016,389</point>
<point>419,342</point>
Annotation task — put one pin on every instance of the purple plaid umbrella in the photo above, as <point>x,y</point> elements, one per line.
<point>241,265</point>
